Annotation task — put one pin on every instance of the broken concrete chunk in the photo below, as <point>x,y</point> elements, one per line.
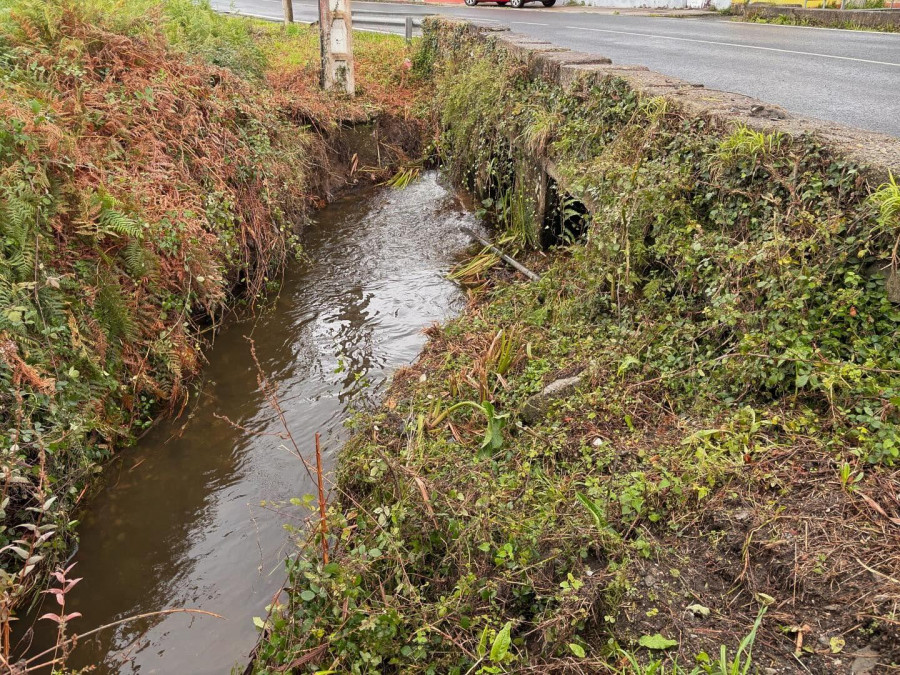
<point>536,407</point>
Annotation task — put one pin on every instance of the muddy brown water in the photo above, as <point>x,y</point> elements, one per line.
<point>179,521</point>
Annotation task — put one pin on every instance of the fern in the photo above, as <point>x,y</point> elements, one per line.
<point>112,312</point>
<point>18,214</point>
<point>115,222</point>
<point>140,262</point>
<point>168,354</point>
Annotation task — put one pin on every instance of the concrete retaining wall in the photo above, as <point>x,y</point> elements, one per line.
<point>867,18</point>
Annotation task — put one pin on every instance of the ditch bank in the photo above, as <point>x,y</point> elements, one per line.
<point>678,446</point>
<point>157,165</point>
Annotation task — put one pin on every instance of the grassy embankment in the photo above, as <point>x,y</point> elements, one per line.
<point>724,474</point>
<point>156,161</point>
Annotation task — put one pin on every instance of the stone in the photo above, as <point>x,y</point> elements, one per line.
<point>866,661</point>
<point>536,407</point>
<point>892,283</point>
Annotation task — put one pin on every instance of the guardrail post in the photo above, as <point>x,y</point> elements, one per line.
<point>409,28</point>
<point>288,11</point>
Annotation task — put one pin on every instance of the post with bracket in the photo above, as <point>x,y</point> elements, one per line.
<point>336,39</point>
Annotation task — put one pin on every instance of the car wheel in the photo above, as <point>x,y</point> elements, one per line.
<point>471,3</point>
<point>548,3</point>
<point>518,4</point>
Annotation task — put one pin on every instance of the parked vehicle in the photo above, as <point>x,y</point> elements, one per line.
<point>512,3</point>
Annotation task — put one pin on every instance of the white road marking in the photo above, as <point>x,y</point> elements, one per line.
<point>735,44</point>
<point>530,23</point>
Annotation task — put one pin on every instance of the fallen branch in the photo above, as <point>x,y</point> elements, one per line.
<point>505,258</point>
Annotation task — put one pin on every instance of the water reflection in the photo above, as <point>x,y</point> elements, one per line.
<point>179,522</point>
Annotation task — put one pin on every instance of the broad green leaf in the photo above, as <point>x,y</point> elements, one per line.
<point>307,596</point>
<point>593,509</point>
<point>656,642</point>
<point>577,650</point>
<point>500,648</point>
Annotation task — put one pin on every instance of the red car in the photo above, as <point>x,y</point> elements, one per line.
<point>512,3</point>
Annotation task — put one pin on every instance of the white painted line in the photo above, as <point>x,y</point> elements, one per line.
<point>735,44</point>
<point>530,23</point>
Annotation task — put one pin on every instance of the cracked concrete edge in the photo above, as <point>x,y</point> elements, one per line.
<point>876,153</point>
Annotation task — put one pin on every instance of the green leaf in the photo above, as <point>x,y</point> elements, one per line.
<point>258,622</point>
<point>500,648</point>
<point>836,644</point>
<point>482,643</point>
<point>593,509</point>
<point>577,650</point>
<point>493,434</point>
<point>307,596</point>
<point>656,642</point>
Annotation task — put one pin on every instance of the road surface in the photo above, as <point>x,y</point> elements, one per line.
<point>850,77</point>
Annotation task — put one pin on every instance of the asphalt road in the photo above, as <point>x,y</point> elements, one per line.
<point>850,77</point>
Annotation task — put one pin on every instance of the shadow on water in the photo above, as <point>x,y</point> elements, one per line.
<point>178,521</point>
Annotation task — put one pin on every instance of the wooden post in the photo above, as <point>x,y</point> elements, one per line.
<point>288,11</point>
<point>409,28</point>
<point>336,39</point>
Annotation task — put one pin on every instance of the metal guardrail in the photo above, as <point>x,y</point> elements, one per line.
<point>408,22</point>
